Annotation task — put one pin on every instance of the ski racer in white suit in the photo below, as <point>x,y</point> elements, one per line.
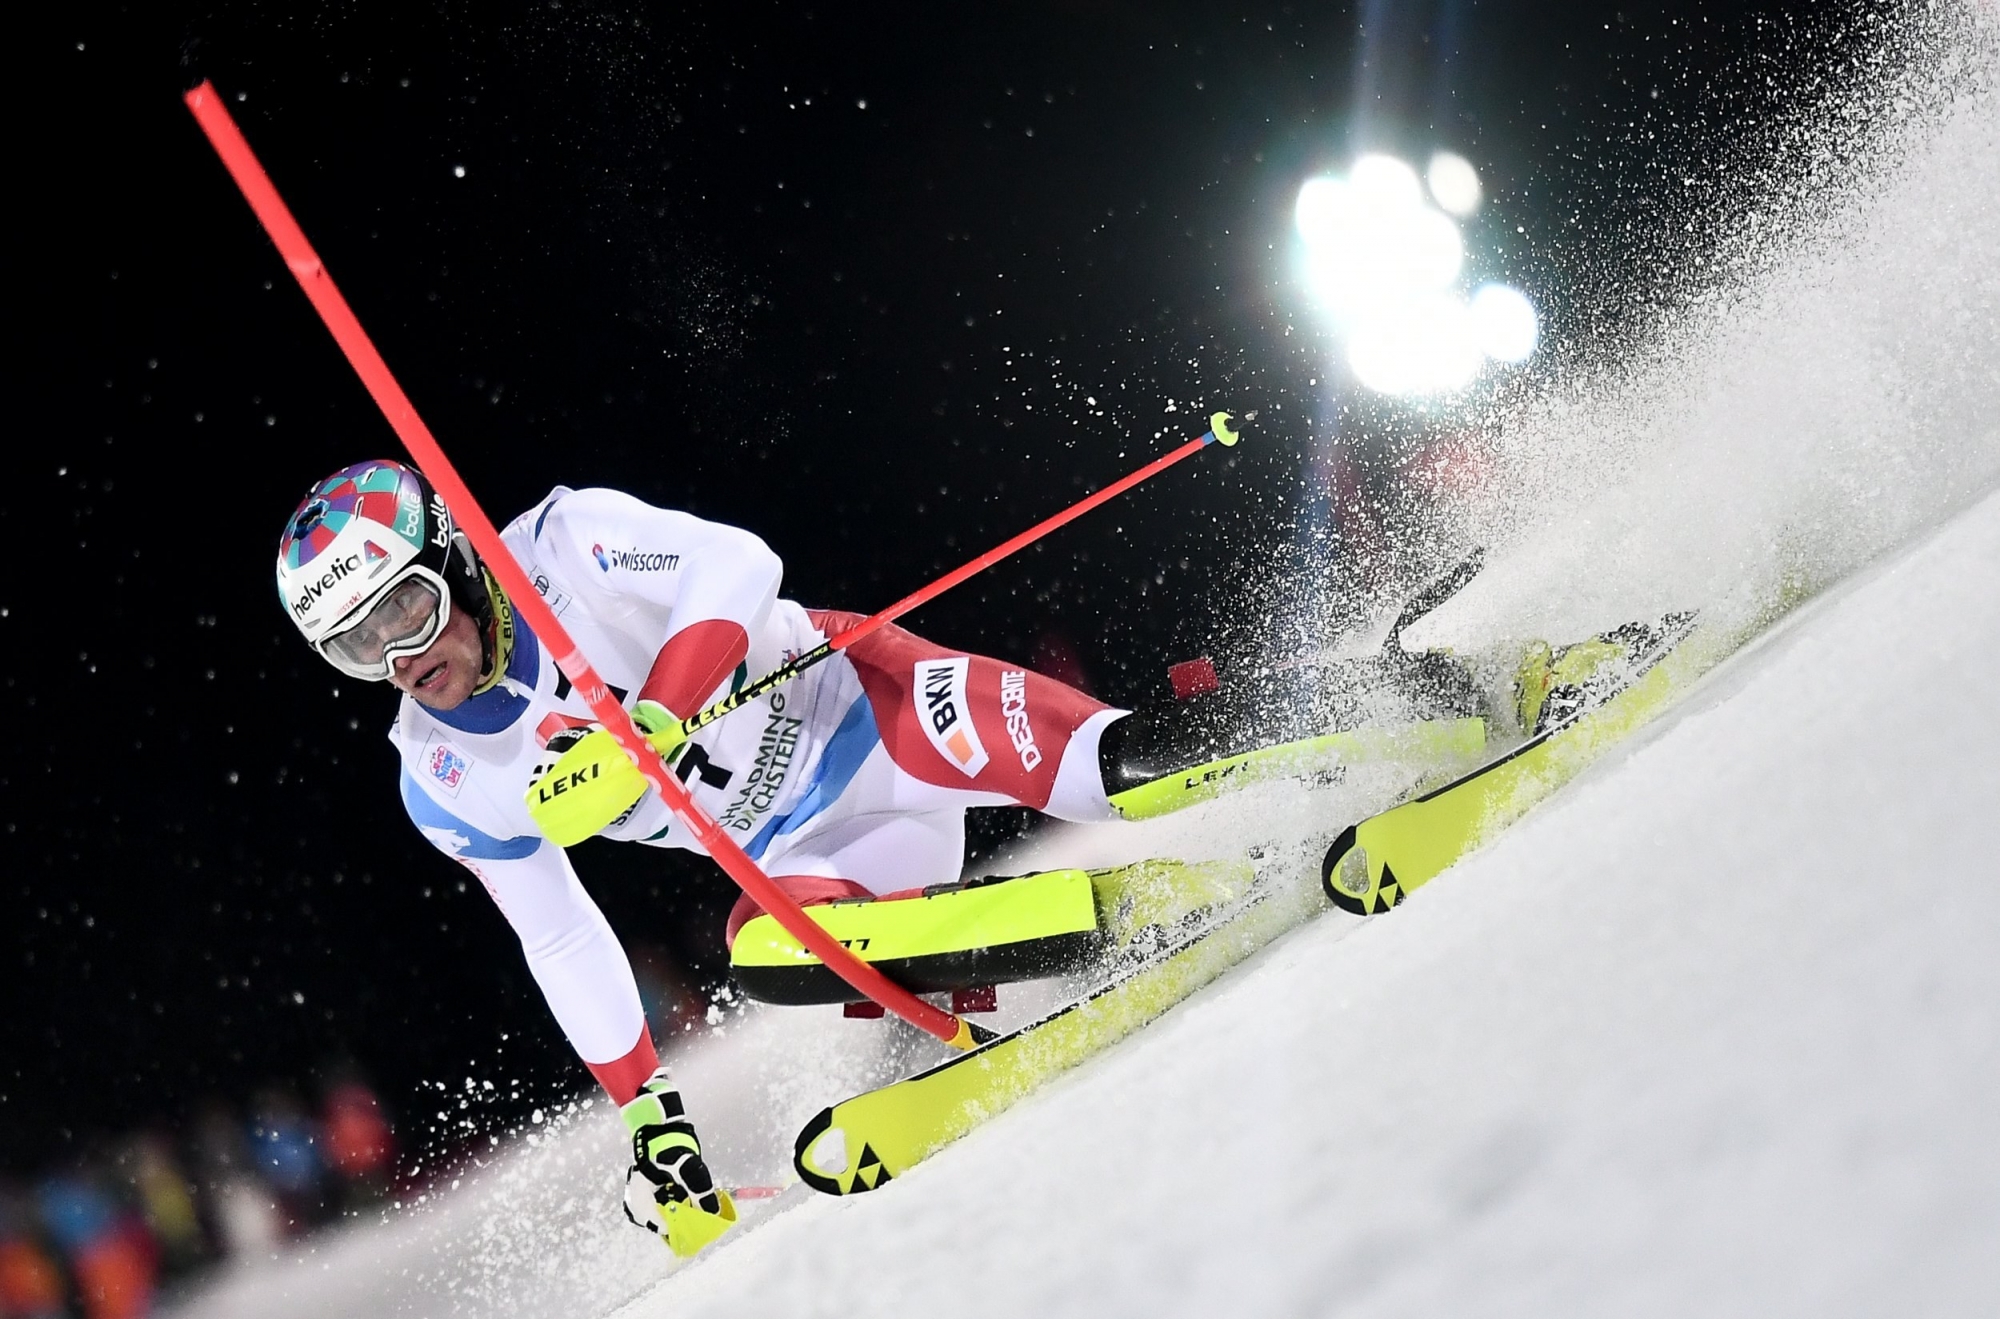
<point>833,782</point>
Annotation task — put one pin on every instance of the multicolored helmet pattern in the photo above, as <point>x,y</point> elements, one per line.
<point>352,536</point>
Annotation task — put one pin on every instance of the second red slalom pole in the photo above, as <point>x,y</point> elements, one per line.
<point>1218,433</point>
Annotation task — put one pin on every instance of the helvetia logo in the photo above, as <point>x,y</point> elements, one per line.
<point>313,591</point>
<point>634,560</point>
<point>941,709</point>
<point>1014,709</point>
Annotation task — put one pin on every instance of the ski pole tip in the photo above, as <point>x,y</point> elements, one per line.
<point>970,1035</point>
<point>1218,426</point>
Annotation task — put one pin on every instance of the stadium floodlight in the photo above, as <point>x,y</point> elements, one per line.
<point>1384,264</point>
<point>1425,345</point>
<point>1504,322</point>
<point>1454,184</point>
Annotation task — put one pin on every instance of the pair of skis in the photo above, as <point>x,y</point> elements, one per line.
<point>862,1142</point>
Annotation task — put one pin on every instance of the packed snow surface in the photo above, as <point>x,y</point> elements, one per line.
<point>1715,1031</point>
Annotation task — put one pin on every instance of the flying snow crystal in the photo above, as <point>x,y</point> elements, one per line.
<point>1385,266</point>
<point>1454,184</point>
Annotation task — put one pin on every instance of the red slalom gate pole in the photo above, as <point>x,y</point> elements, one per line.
<point>1218,433</point>
<point>290,240</point>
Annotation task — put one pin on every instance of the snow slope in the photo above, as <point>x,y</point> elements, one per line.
<point>1714,1031</point>
<point>1717,1031</point>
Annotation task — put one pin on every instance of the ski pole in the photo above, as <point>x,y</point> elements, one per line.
<point>305,265</point>
<point>1218,433</point>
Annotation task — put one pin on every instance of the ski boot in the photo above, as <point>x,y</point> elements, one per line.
<point>1553,685</point>
<point>1301,721</point>
<point>965,938</point>
<point>945,938</point>
<point>1142,907</point>
<point>1144,776</point>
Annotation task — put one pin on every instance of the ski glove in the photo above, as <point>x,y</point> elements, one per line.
<point>593,783</point>
<point>668,1189</point>
<point>661,726</point>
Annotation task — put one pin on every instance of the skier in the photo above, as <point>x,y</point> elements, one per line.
<point>851,781</point>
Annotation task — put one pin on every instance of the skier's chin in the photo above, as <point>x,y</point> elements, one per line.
<point>443,675</point>
<point>442,687</point>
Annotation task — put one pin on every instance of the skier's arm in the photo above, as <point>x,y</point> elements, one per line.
<point>575,958</point>
<point>719,582</point>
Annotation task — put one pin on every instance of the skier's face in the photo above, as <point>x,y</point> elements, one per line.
<point>444,672</point>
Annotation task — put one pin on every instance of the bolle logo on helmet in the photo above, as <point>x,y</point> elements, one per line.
<point>440,522</point>
<point>634,560</point>
<point>311,593</point>
<point>1014,709</point>
<point>941,709</point>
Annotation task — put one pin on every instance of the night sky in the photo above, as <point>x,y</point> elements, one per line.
<point>847,276</point>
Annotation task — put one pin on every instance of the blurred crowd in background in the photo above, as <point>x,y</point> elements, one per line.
<point>104,1234</point>
<point>131,1223</point>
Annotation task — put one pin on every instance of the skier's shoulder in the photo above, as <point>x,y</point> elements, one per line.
<point>600,528</point>
<point>565,510</point>
<point>443,791</point>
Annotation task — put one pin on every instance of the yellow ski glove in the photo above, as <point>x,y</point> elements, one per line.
<point>668,1189</point>
<point>593,783</point>
<point>661,727</point>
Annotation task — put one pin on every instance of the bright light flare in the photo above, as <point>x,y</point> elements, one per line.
<point>1504,323</point>
<point>1454,183</point>
<point>1321,203</point>
<point>1385,265</point>
<point>1425,346</point>
<point>1386,184</point>
<point>1371,243</point>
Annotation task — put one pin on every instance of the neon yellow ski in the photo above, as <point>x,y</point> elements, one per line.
<point>1374,865</point>
<point>1431,741</point>
<point>862,1142</point>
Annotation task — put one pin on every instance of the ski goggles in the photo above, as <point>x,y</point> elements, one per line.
<point>405,620</point>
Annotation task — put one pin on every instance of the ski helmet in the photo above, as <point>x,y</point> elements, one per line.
<point>371,566</point>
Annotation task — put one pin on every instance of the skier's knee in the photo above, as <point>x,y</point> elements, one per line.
<point>806,890</point>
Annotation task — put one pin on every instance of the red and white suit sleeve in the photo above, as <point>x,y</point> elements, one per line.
<point>718,581</point>
<point>578,962</point>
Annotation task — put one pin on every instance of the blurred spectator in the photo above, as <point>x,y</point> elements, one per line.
<point>110,1252</point>
<point>247,1219</point>
<point>31,1282</point>
<point>674,1006</point>
<point>166,1200</point>
<point>243,1214</point>
<point>93,1239</point>
<point>360,1147</point>
<point>1056,656</point>
<point>285,1151</point>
